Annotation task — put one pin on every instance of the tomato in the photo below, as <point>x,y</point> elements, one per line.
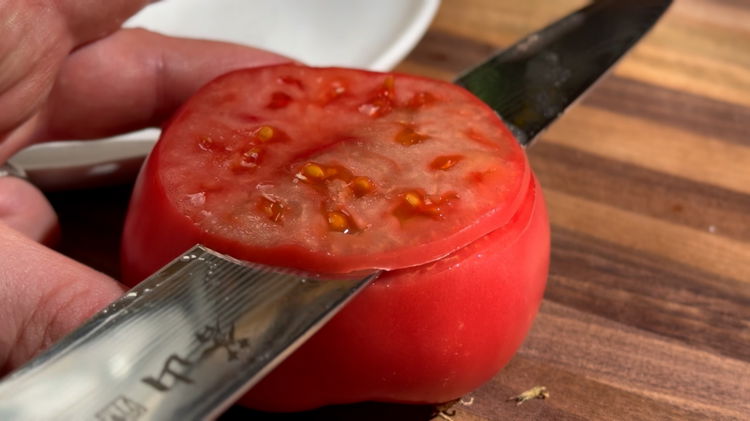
<point>339,170</point>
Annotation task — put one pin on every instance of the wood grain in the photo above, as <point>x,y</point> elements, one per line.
<point>698,49</point>
<point>666,149</point>
<point>647,310</point>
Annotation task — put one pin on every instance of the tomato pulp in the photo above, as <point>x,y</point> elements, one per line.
<point>339,170</point>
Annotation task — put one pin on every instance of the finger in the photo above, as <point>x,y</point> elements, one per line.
<point>35,38</point>
<point>134,79</point>
<point>88,20</point>
<point>25,209</point>
<point>43,296</point>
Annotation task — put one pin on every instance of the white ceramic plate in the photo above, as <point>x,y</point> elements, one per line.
<point>368,34</point>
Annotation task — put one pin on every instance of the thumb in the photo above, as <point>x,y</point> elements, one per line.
<point>43,294</point>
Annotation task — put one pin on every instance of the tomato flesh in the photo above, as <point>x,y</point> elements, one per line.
<point>340,170</point>
<point>285,158</point>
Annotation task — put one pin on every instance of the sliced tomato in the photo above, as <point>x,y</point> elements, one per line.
<point>338,170</point>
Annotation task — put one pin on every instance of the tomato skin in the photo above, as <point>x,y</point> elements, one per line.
<point>422,334</point>
<point>154,229</point>
<point>419,335</point>
<point>427,334</point>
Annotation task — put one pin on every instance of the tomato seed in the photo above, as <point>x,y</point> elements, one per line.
<point>414,203</point>
<point>317,173</point>
<point>413,199</point>
<point>407,136</point>
<point>311,172</point>
<point>361,186</point>
<point>272,208</point>
<point>341,222</point>
<point>264,133</point>
<point>445,162</point>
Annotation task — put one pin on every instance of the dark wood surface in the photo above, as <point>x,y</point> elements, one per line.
<point>647,311</point>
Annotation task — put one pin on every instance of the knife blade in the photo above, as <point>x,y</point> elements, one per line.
<point>533,82</point>
<point>223,324</point>
<point>182,345</point>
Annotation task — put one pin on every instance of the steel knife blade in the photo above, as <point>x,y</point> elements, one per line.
<point>202,330</point>
<point>183,344</point>
<point>531,83</point>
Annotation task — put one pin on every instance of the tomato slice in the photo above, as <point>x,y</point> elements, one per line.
<point>337,170</point>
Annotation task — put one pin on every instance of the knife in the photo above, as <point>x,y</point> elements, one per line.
<point>183,344</point>
<point>189,340</point>
<point>533,82</point>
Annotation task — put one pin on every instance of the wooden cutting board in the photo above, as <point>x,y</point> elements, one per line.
<point>647,311</point>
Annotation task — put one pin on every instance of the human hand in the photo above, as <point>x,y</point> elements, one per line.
<point>67,70</point>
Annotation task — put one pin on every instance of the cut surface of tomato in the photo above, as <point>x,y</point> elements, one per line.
<point>342,169</point>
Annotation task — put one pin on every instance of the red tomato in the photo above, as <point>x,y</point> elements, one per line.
<point>338,170</point>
